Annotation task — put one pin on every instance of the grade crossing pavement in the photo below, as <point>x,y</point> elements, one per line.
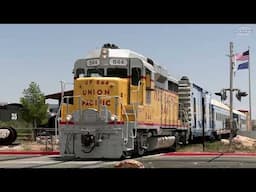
<point>163,160</point>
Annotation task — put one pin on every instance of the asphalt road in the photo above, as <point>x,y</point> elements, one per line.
<point>150,161</point>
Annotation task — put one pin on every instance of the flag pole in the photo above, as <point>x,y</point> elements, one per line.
<point>250,108</point>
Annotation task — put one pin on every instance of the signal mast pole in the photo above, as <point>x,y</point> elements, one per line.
<point>250,105</point>
<point>231,89</point>
<point>231,92</point>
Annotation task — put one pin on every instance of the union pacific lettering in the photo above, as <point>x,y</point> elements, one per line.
<point>98,82</point>
<point>91,102</point>
<point>87,92</point>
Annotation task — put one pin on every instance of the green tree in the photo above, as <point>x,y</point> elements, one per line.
<point>34,107</point>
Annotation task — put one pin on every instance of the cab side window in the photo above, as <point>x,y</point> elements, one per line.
<point>136,74</point>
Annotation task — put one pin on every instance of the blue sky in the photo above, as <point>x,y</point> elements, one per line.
<point>45,53</point>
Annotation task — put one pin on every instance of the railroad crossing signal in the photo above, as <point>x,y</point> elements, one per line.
<point>222,94</point>
<point>240,94</point>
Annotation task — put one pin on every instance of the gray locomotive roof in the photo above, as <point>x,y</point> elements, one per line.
<point>127,53</point>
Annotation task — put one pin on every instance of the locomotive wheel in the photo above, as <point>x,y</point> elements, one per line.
<point>140,146</point>
<point>14,134</point>
<point>141,151</point>
<point>173,148</point>
<point>11,137</point>
<point>126,154</point>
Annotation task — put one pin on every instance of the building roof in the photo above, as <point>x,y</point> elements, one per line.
<point>243,111</point>
<point>12,104</point>
<point>58,95</point>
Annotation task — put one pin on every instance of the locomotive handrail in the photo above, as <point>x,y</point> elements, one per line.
<point>135,108</point>
<point>135,121</point>
<point>138,90</point>
<point>61,102</point>
<point>67,97</point>
<point>127,129</point>
<point>115,113</point>
<point>127,125</point>
<point>185,115</point>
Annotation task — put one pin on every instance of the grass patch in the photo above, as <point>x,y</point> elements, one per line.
<point>26,147</point>
<point>217,146</point>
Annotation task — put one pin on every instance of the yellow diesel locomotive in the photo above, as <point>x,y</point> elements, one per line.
<point>123,104</point>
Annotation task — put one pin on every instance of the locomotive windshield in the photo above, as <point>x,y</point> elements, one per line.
<point>79,72</point>
<point>117,72</point>
<point>95,72</point>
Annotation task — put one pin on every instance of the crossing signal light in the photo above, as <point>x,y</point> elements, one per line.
<point>222,94</point>
<point>240,94</point>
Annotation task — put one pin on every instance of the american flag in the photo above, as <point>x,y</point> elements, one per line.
<point>242,56</point>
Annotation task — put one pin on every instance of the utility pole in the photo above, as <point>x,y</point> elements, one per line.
<point>250,105</point>
<point>203,120</point>
<point>231,56</point>
<point>223,95</point>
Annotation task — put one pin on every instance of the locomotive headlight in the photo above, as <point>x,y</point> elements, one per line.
<point>104,53</point>
<point>68,117</point>
<point>113,117</point>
